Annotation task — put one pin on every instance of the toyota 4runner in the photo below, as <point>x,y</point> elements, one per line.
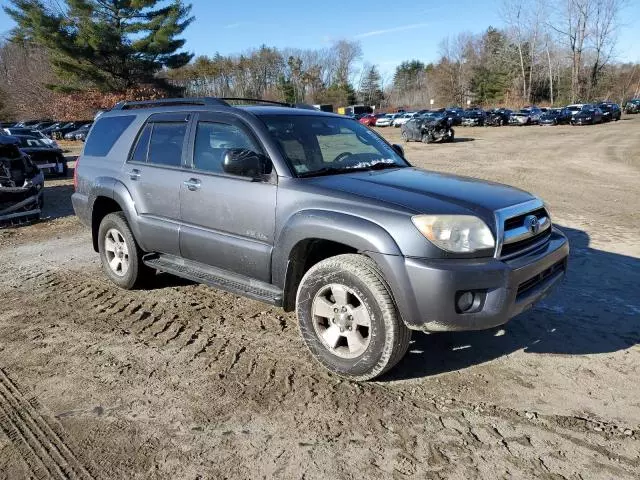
<point>315,213</point>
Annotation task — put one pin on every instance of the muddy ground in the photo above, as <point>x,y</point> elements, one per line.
<point>182,381</point>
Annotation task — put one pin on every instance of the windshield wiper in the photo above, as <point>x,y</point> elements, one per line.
<point>324,171</point>
<point>334,170</point>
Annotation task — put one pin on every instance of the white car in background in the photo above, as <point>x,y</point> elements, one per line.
<point>575,108</point>
<point>402,119</point>
<point>385,121</point>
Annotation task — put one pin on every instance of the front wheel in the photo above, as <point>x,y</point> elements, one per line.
<point>405,137</point>
<point>120,255</point>
<point>348,319</point>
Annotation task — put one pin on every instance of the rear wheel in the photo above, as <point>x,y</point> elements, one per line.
<point>348,319</point>
<point>120,255</point>
<point>427,138</point>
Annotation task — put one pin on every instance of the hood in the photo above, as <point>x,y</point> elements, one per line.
<point>583,114</point>
<point>423,191</point>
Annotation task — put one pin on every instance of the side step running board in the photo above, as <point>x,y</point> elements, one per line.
<point>215,277</point>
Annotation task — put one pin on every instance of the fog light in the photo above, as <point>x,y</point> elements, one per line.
<point>465,301</point>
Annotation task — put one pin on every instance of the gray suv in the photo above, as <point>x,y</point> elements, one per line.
<point>316,213</point>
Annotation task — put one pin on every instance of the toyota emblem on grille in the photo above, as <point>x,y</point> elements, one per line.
<point>532,224</point>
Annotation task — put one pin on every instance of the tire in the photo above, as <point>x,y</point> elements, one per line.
<point>375,349</point>
<point>426,138</point>
<point>116,227</point>
<point>405,137</point>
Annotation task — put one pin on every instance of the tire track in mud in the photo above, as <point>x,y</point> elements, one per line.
<point>241,351</point>
<point>38,438</point>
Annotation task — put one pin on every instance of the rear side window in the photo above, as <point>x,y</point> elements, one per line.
<point>165,146</point>
<point>105,133</point>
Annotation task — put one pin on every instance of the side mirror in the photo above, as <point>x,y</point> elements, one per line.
<point>245,163</point>
<point>398,149</point>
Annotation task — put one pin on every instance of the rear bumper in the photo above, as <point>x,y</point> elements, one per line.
<point>427,289</point>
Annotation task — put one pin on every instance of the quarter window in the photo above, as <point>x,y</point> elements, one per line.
<point>105,133</point>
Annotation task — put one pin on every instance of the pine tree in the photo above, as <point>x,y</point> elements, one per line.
<point>107,44</point>
<point>371,87</point>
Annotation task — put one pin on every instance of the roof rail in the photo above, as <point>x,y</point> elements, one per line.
<point>170,102</point>
<point>256,100</point>
<point>204,101</point>
<point>269,102</point>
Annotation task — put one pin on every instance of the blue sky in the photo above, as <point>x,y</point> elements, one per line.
<point>389,31</point>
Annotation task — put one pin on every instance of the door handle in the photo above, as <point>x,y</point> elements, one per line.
<point>134,174</point>
<point>192,184</point>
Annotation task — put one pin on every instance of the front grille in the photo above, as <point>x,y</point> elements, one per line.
<point>533,282</point>
<point>518,221</point>
<point>517,238</point>
<point>523,245</point>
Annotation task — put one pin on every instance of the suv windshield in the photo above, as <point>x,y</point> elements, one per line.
<point>325,145</point>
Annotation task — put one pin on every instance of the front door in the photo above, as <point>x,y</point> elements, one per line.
<point>228,221</point>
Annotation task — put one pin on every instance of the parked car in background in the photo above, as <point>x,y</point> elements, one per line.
<point>588,115</point>
<point>498,117</point>
<point>404,118</point>
<point>473,118</point>
<point>21,184</point>
<point>82,132</point>
<point>31,123</point>
<point>33,133</point>
<point>79,134</point>
<point>385,120</point>
<point>610,111</point>
<point>369,120</point>
<point>575,108</point>
<point>632,106</point>
<point>48,159</point>
<point>453,114</point>
<point>526,116</point>
<point>428,128</point>
<point>60,131</point>
<point>555,116</point>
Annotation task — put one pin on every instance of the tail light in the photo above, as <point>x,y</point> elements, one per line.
<point>75,174</point>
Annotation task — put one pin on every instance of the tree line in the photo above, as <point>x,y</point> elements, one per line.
<point>79,55</point>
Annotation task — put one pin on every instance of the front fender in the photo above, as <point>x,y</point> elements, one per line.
<point>356,232</point>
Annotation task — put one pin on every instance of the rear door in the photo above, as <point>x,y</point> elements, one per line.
<point>228,220</point>
<point>153,175</point>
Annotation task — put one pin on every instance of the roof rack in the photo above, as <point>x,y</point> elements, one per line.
<point>203,101</point>
<point>268,102</point>
<point>167,102</point>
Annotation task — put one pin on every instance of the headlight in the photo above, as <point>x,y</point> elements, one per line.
<point>455,233</point>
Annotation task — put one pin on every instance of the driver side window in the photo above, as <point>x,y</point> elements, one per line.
<point>213,140</point>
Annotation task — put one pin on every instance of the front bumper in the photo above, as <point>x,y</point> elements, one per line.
<point>426,298</point>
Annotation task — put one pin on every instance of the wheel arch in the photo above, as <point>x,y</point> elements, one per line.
<point>110,195</point>
<point>312,236</point>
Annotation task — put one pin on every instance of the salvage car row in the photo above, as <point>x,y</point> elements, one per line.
<point>575,114</point>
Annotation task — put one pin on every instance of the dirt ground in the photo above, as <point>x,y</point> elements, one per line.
<point>184,382</point>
